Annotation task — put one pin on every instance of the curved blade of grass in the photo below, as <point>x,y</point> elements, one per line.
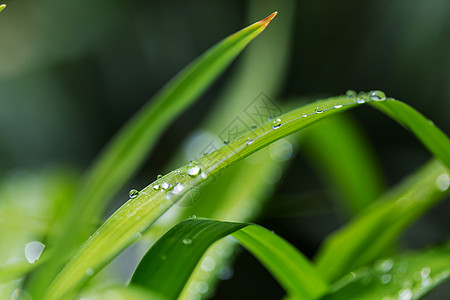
<point>123,227</point>
<point>128,149</point>
<point>176,254</point>
<point>436,141</point>
<point>409,276</point>
<point>123,293</point>
<point>340,153</point>
<point>2,6</point>
<point>377,227</point>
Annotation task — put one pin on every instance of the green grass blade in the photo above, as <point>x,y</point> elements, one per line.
<point>139,213</point>
<point>342,156</point>
<point>128,149</point>
<point>409,276</point>
<point>2,6</point>
<point>436,141</point>
<point>123,293</point>
<point>293,271</point>
<point>377,227</point>
<point>176,254</point>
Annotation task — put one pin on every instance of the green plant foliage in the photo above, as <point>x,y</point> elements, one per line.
<point>2,7</point>
<point>124,226</point>
<point>377,227</point>
<point>128,149</point>
<point>408,276</point>
<point>176,254</point>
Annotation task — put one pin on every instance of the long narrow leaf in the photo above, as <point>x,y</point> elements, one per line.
<point>128,149</point>
<point>135,216</point>
<point>409,276</point>
<point>377,227</point>
<point>176,254</point>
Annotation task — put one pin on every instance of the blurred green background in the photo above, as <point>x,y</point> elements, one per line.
<point>73,72</point>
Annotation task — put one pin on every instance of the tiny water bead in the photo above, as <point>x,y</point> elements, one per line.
<point>159,176</point>
<point>276,124</point>
<point>187,241</point>
<point>360,100</point>
<point>249,141</point>
<point>443,182</point>
<point>405,294</point>
<point>156,187</point>
<point>165,185</point>
<point>226,141</point>
<point>193,169</point>
<point>350,94</point>
<point>89,272</point>
<point>319,110</point>
<point>386,278</point>
<point>33,251</point>
<point>133,194</point>
<point>377,96</point>
<point>337,105</point>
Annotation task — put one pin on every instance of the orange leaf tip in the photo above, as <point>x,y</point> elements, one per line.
<point>267,20</point>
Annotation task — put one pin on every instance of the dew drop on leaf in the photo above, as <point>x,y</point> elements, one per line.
<point>360,100</point>
<point>156,187</point>
<point>337,105</point>
<point>159,176</point>
<point>133,193</point>
<point>187,241</point>
<point>249,141</point>
<point>350,94</point>
<point>193,169</point>
<point>165,185</point>
<point>33,251</point>
<point>377,96</point>
<point>276,124</point>
<point>319,110</point>
<point>443,182</point>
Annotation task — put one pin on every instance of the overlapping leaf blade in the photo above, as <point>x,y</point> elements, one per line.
<point>377,227</point>
<point>139,213</point>
<point>122,157</point>
<point>176,254</point>
<point>409,276</point>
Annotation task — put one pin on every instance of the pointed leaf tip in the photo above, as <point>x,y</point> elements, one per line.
<point>267,20</point>
<point>2,6</point>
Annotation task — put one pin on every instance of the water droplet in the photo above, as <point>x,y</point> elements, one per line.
<point>19,294</point>
<point>337,105</point>
<point>165,185</point>
<point>89,272</point>
<point>276,124</point>
<point>178,188</point>
<point>386,278</point>
<point>405,294</point>
<point>187,241</point>
<point>208,264</point>
<point>33,251</point>
<point>193,169</point>
<point>226,141</point>
<point>360,100</point>
<point>201,287</point>
<point>133,194</point>
<point>193,217</point>
<point>159,176</point>
<point>319,110</point>
<point>350,94</point>
<point>384,265</point>
<point>249,141</point>
<point>443,182</point>
<point>156,187</point>
<point>204,175</point>
<point>425,272</point>
<point>225,273</point>
<point>304,115</point>
<point>377,96</point>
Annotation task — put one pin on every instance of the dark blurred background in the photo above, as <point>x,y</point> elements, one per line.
<point>73,72</point>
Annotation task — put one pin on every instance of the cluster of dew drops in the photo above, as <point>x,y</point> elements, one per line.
<point>193,170</point>
<point>376,95</point>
